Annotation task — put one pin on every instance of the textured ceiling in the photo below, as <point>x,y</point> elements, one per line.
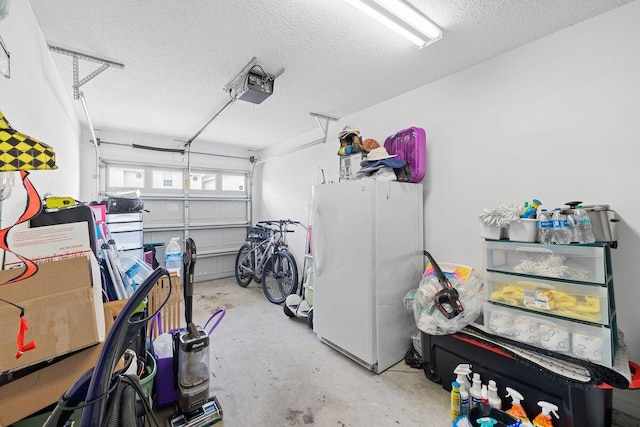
<point>178,55</point>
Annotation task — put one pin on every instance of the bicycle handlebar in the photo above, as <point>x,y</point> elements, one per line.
<point>279,222</point>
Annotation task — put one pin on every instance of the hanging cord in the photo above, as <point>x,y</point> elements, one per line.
<point>117,382</point>
<point>15,305</point>
<point>22,328</point>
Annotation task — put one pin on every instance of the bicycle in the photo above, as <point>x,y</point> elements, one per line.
<point>266,259</point>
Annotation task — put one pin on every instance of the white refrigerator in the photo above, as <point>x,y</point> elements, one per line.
<point>367,250</point>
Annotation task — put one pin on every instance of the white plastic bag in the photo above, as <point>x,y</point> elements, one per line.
<point>429,318</point>
<point>163,346</point>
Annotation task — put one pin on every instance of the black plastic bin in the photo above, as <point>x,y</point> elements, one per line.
<point>577,407</point>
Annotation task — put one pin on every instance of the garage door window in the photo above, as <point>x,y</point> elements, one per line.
<point>125,177</point>
<point>234,183</point>
<point>163,179</point>
<point>203,182</point>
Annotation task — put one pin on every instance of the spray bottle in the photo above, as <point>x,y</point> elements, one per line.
<point>516,410</point>
<point>494,399</point>
<point>476,390</point>
<point>531,210</point>
<point>486,422</point>
<point>543,419</point>
<point>463,371</point>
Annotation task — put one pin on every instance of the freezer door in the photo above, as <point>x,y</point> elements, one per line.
<point>343,266</point>
<point>399,266</point>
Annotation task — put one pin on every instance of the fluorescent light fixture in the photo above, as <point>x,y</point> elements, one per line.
<point>401,18</point>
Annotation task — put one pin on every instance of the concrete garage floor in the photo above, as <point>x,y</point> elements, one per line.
<point>269,370</point>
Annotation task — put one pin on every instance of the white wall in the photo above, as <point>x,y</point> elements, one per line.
<point>556,119</point>
<point>35,102</point>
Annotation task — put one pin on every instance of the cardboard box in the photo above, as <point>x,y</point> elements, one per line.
<point>31,393</point>
<point>60,307</point>
<point>48,243</point>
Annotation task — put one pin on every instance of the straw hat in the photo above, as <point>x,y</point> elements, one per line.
<point>379,153</point>
<point>348,130</point>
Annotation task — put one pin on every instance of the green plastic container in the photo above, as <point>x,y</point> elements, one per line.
<point>146,382</point>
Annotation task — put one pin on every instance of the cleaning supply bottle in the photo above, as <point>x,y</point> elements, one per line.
<point>463,371</point>
<point>494,399</point>
<point>486,421</point>
<point>543,419</point>
<point>485,394</point>
<point>455,402</point>
<point>173,256</point>
<point>531,210</point>
<point>516,410</point>
<point>476,390</point>
<point>464,401</point>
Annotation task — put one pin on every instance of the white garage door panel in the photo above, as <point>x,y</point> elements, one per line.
<point>163,212</point>
<point>214,212</point>
<point>217,212</point>
<point>210,268</point>
<point>218,239</point>
<point>161,236</point>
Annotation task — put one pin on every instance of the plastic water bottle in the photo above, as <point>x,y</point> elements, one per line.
<point>545,227</point>
<point>584,233</point>
<point>173,256</point>
<point>560,228</point>
<point>135,269</point>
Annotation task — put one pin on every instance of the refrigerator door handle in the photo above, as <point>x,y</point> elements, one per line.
<point>317,248</point>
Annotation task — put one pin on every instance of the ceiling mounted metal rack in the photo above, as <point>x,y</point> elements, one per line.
<point>77,94</point>
<point>77,82</point>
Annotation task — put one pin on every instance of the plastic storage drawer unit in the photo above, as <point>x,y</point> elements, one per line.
<point>127,232</point>
<point>589,342</point>
<point>119,227</point>
<point>583,263</point>
<point>128,240</point>
<point>587,303</point>
<point>124,217</point>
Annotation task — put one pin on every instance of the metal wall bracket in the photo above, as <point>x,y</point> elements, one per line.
<point>325,126</point>
<point>77,82</point>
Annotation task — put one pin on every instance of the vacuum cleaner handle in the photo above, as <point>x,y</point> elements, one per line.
<point>446,299</point>
<point>69,399</point>
<point>122,333</point>
<point>189,264</point>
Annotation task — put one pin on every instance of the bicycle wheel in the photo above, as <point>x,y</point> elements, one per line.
<point>244,266</point>
<point>280,277</point>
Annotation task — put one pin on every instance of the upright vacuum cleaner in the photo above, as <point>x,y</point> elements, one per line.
<point>191,360</point>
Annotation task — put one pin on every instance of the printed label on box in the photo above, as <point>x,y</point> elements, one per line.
<point>536,299</point>
<point>48,243</point>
